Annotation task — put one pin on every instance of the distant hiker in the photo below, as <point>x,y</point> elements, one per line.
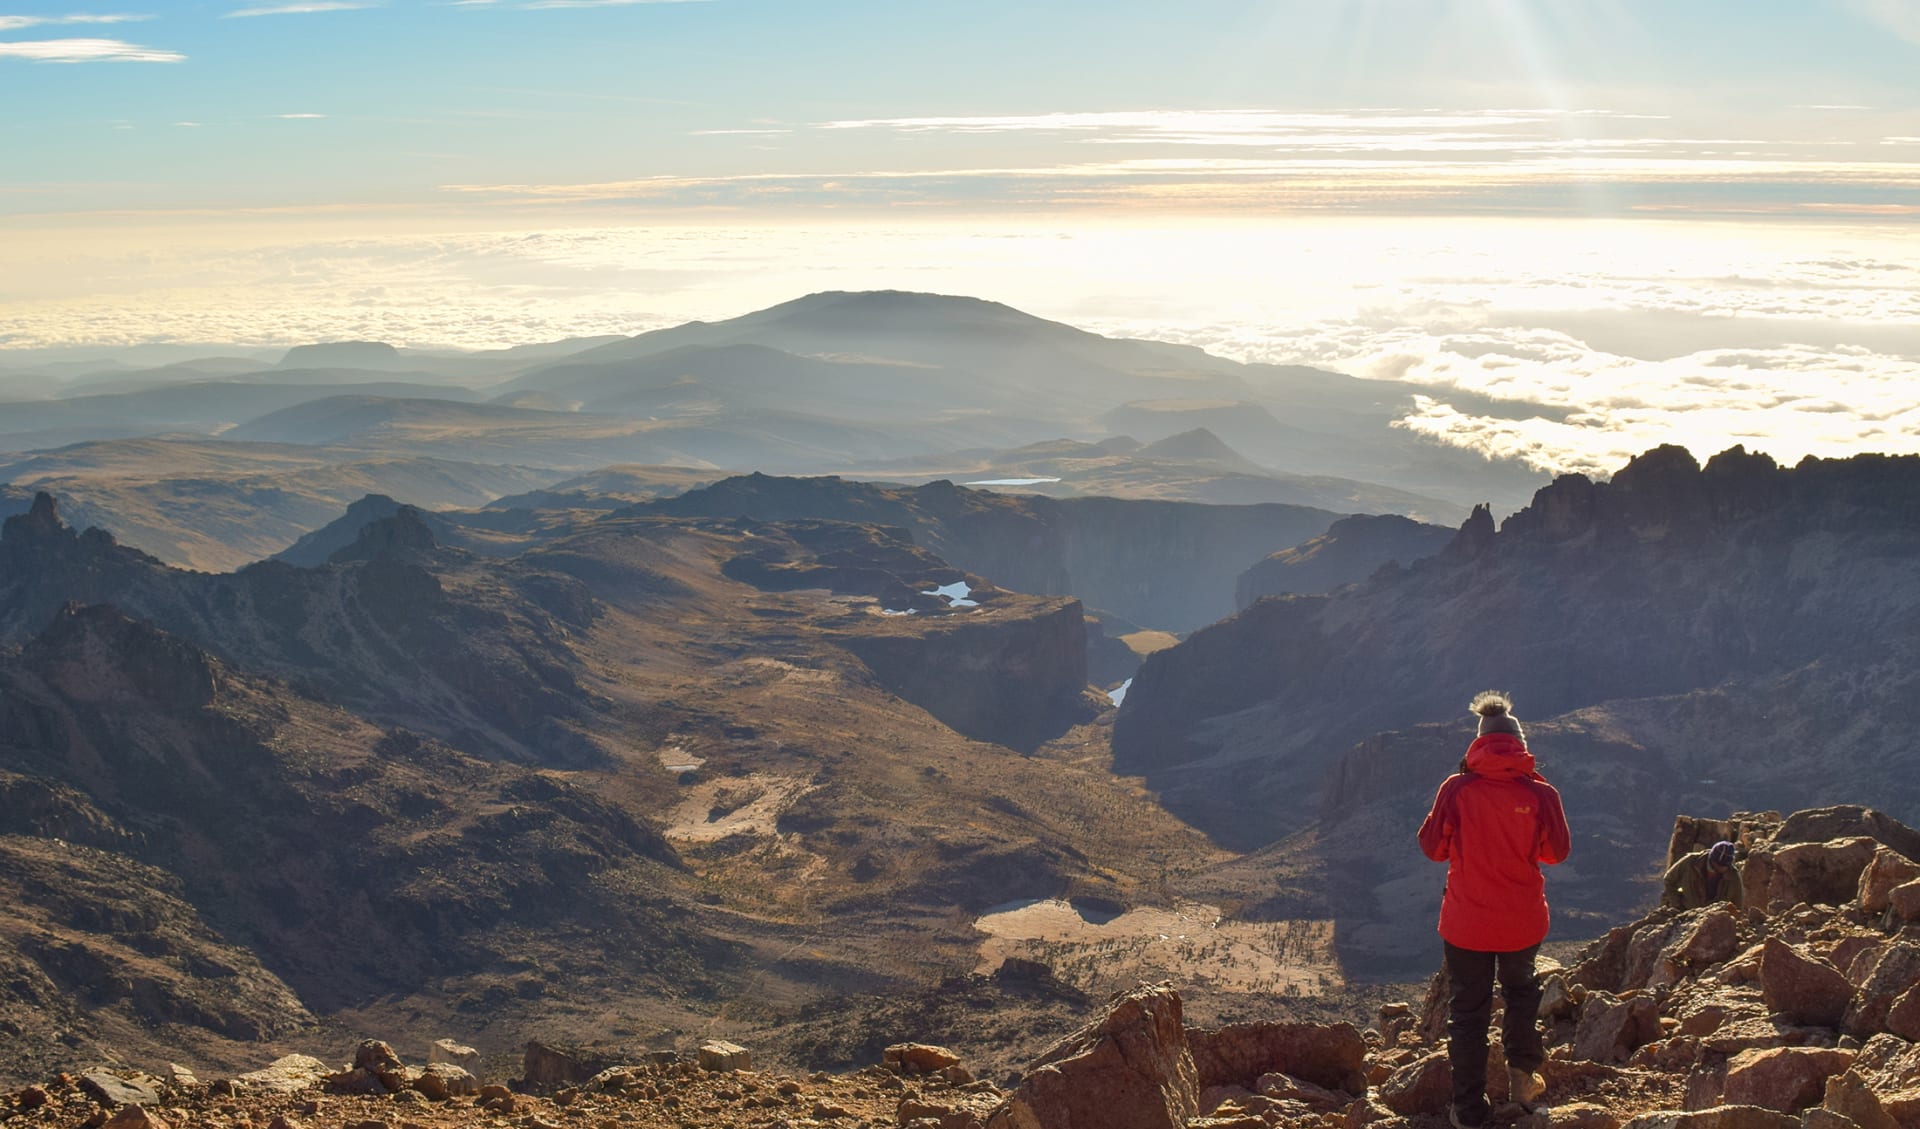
<point>1493,823</point>
<point>1703,878</point>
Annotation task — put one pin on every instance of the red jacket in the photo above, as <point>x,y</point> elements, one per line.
<point>1493,825</point>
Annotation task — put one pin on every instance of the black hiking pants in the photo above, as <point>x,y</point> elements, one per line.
<point>1471,1010</point>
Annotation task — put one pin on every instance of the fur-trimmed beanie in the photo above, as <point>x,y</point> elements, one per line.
<point>1496,714</point>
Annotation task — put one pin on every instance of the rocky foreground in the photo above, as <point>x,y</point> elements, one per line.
<point>1803,1010</point>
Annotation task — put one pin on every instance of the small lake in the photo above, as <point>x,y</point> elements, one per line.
<point>1119,693</point>
<point>957,594</point>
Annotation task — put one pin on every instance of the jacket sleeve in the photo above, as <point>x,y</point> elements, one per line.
<point>1673,885</point>
<point>1436,832</point>
<point>1555,839</point>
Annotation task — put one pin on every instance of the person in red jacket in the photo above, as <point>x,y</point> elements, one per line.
<point>1493,823</point>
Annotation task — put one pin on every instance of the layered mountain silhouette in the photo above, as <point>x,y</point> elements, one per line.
<point>877,384</point>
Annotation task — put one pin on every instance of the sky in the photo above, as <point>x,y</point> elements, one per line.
<point>1695,218</point>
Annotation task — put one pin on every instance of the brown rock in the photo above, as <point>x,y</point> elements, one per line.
<point>1888,868</point>
<point>29,1099</point>
<point>1130,1070</point>
<point>447,1079</point>
<point>1904,901</point>
<point>372,1054</point>
<point>1817,873</point>
<point>281,1121</point>
<point>1213,1097</point>
<point>1903,1018</point>
<point>288,1074</point>
<point>135,1117</point>
<point>1788,1079</point>
<point>719,1054</point>
<point>918,1058</point>
<point>947,1111</point>
<point>358,1080</point>
<point>1849,1096</point>
<point>545,1065</point>
<point>447,1050</point>
<point>1884,978</point>
<point>114,1090</point>
<point>1711,937</point>
<point>1801,988</point>
<point>1610,1029</point>
<point>1285,1087</point>
<point>1423,1086</point>
<point>1330,1055</point>
<point>1817,1118</point>
<point>1584,1115</point>
<point>1719,1117</point>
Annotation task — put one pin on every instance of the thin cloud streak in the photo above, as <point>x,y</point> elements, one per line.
<point>301,9</point>
<point>15,23</point>
<point>86,51</point>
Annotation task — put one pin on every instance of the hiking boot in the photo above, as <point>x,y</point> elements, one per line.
<point>1525,1086</point>
<point>1475,1116</point>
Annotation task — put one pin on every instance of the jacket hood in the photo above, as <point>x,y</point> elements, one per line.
<point>1501,756</point>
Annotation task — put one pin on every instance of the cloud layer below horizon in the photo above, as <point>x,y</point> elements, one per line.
<point>1794,341</point>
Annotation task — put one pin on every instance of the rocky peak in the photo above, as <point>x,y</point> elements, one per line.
<point>97,653</point>
<point>40,523</point>
<point>404,535</point>
<point>1476,534</point>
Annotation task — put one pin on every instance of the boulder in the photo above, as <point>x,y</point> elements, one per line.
<point>1330,1055</point>
<point>1881,1090</point>
<point>918,1058</point>
<point>1903,1018</point>
<point>286,1075</point>
<point>461,1055</point>
<point>718,1054</point>
<point>1849,1096</point>
<point>1802,988</point>
<point>1887,869</point>
<point>114,1090</point>
<point>545,1065</point>
<point>1882,978</point>
<point>1702,938</point>
<point>1612,1028</point>
<point>1130,1070</point>
<point>952,1109</point>
<point>1719,1117</point>
<point>1584,1115</point>
<point>1816,873</point>
<point>443,1080</point>
<point>1788,1079</point>
<point>1285,1087</point>
<point>135,1117</point>
<point>1420,1087</point>
<point>1904,901</point>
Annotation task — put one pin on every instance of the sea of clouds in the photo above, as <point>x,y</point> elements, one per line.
<point>1603,337</point>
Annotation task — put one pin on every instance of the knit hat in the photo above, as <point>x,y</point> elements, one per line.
<point>1721,853</point>
<point>1496,714</point>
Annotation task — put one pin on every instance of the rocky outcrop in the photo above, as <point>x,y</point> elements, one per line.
<point>1165,565</point>
<point>1673,583</point>
<point>1351,550</point>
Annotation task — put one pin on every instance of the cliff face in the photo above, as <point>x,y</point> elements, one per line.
<point>1013,673</point>
<point>1167,565</point>
<point>1351,550</point>
<point>415,634</point>
<point>1670,578</point>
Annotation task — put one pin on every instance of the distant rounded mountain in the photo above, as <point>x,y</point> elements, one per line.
<point>344,354</point>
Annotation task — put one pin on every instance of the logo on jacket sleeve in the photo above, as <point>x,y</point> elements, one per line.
<point>1524,809</point>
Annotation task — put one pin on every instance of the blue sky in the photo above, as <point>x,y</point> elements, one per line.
<point>744,104</point>
<point>1668,220</point>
